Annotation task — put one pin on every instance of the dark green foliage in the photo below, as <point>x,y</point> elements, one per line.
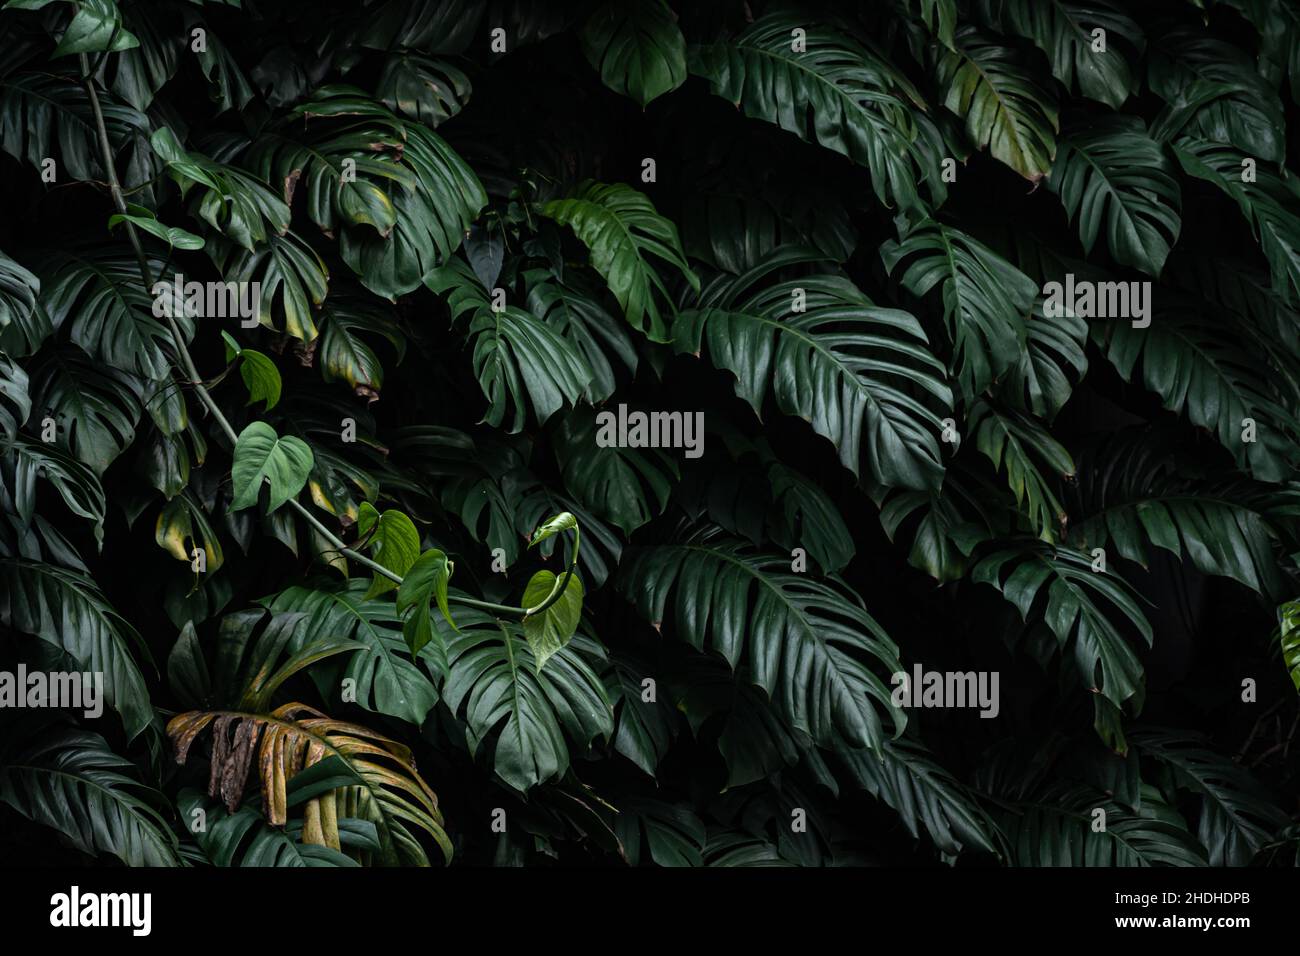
<point>369,559</point>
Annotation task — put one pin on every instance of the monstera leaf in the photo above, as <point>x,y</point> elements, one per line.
<point>26,463</point>
<point>1059,830</point>
<point>620,228</point>
<point>1237,815</point>
<point>626,486</point>
<point>1084,608</point>
<point>423,89</point>
<point>1110,171</point>
<point>19,289</point>
<point>542,715</point>
<point>1269,204</point>
<point>515,354</point>
<point>829,89</point>
<point>1203,373</point>
<point>1089,43</point>
<point>849,368</point>
<point>239,205</point>
<point>71,781</point>
<point>1213,91</point>
<point>925,795</point>
<point>359,773</point>
<point>1004,108</point>
<point>387,678</point>
<point>95,407</point>
<point>1053,362</point>
<point>400,198</point>
<point>1024,450</point>
<point>805,643</point>
<point>66,609</point>
<point>1136,496</point>
<point>637,48</point>
<point>15,402</point>
<point>986,300</point>
<point>110,312</point>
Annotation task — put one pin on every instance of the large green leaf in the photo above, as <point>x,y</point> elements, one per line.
<point>806,643</point>
<point>230,200</point>
<point>1058,830</point>
<point>384,674</point>
<point>292,280</point>
<point>925,796</point>
<point>494,680</point>
<point>575,311</point>
<point>15,400</point>
<point>65,608</point>
<point>345,356</point>
<point>426,90</point>
<point>1052,364</point>
<point>96,25</point>
<point>1110,170</point>
<point>19,290</point>
<point>1098,67</point>
<point>637,47</point>
<point>1214,91</point>
<point>261,456</point>
<point>244,838</point>
<point>620,228</point>
<point>1271,204</point>
<point>109,311</point>
<point>1085,610</point>
<point>70,780</point>
<point>1136,495</point>
<point>986,300</point>
<point>835,92</point>
<point>95,407</point>
<point>515,353</point>
<point>809,519</point>
<point>945,525</point>
<point>626,486</point>
<point>1022,448</point>
<point>27,462</point>
<point>1005,109</point>
<point>1200,370</point>
<point>399,197</point>
<point>846,366</point>
<point>1237,815</point>
<point>45,116</point>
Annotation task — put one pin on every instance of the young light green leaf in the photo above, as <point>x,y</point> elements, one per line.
<point>261,376</point>
<point>392,539</point>
<point>425,581</point>
<point>562,522</point>
<point>550,630</point>
<point>143,218</point>
<point>262,455</point>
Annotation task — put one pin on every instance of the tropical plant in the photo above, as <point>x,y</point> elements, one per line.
<point>350,304</point>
